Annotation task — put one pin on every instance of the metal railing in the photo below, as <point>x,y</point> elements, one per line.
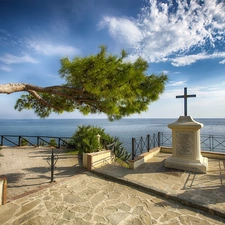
<point>15,140</point>
<point>141,145</point>
<point>36,141</point>
<point>215,143</point>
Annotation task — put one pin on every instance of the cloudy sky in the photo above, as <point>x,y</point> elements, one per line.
<point>182,38</point>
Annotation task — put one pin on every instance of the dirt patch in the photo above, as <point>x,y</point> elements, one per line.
<point>26,168</point>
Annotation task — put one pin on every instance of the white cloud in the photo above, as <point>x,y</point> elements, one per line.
<point>49,49</point>
<point>214,92</point>
<point>5,68</point>
<point>222,62</point>
<point>158,35</point>
<point>6,33</point>
<point>129,32</point>
<point>164,71</point>
<point>189,59</point>
<point>177,83</point>
<point>12,59</point>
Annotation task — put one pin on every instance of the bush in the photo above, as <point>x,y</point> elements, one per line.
<point>119,151</point>
<point>42,143</point>
<point>85,138</point>
<point>23,142</point>
<point>52,142</point>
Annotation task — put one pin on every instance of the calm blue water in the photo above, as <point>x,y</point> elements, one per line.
<point>125,129</point>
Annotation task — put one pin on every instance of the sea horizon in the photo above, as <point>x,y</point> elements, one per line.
<point>125,129</point>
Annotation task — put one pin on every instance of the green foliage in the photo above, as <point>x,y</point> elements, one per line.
<point>85,138</point>
<point>68,144</point>
<point>98,83</point>
<point>72,151</point>
<point>52,142</point>
<point>42,143</point>
<point>119,151</point>
<point>23,142</point>
<point>122,163</point>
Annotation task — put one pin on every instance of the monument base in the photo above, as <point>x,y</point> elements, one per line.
<point>198,166</point>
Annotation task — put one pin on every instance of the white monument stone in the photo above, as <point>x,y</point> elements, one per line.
<point>186,146</point>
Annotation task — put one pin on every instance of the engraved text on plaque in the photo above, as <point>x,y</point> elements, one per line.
<point>184,144</point>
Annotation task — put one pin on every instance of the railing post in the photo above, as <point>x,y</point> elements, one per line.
<point>159,141</point>
<point>212,142</point>
<point>19,140</point>
<point>154,140</point>
<point>38,141</point>
<point>141,140</point>
<point>148,142</point>
<point>133,153</point>
<point>104,144</point>
<point>2,140</point>
<point>58,142</point>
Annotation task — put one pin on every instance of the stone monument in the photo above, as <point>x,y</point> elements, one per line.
<point>186,144</point>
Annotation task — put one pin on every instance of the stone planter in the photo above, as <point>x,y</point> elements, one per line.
<point>97,159</point>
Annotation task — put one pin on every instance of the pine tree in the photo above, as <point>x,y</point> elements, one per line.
<point>101,83</point>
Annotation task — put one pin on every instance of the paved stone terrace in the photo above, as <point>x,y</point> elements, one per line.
<point>138,197</point>
<point>88,199</point>
<point>203,191</point>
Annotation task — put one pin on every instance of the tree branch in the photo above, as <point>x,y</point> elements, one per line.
<point>41,100</point>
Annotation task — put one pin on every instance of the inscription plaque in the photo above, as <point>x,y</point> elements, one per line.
<point>184,144</point>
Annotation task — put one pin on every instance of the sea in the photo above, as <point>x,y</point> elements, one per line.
<point>124,129</point>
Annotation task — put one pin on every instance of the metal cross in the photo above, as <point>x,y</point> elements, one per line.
<point>185,96</point>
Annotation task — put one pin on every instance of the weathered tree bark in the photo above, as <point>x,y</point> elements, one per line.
<point>76,94</point>
<point>18,87</point>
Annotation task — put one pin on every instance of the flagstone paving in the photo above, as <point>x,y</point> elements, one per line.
<point>151,194</point>
<point>88,199</point>
<point>203,191</point>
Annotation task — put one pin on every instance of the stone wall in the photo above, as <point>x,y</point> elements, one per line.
<point>3,186</point>
<point>97,159</point>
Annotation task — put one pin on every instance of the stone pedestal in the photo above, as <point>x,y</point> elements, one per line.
<point>186,146</point>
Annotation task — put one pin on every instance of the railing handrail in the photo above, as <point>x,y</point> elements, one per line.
<point>37,137</point>
<point>209,142</point>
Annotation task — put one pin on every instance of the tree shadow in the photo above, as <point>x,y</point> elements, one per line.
<point>200,188</point>
<point>14,177</point>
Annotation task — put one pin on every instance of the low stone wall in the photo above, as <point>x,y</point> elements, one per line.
<point>213,155</point>
<point>133,164</point>
<point>101,158</point>
<point>97,159</point>
<point>3,186</point>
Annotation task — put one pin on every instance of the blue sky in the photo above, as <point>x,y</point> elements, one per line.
<point>184,39</point>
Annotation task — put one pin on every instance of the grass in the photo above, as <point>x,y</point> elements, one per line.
<point>122,163</point>
<point>72,151</point>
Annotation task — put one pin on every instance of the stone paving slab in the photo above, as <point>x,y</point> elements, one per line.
<point>203,191</point>
<point>87,199</point>
<point>26,168</point>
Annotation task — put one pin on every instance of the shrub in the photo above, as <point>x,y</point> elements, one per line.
<point>119,151</point>
<point>23,142</point>
<point>42,143</point>
<point>85,138</point>
<point>52,142</point>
